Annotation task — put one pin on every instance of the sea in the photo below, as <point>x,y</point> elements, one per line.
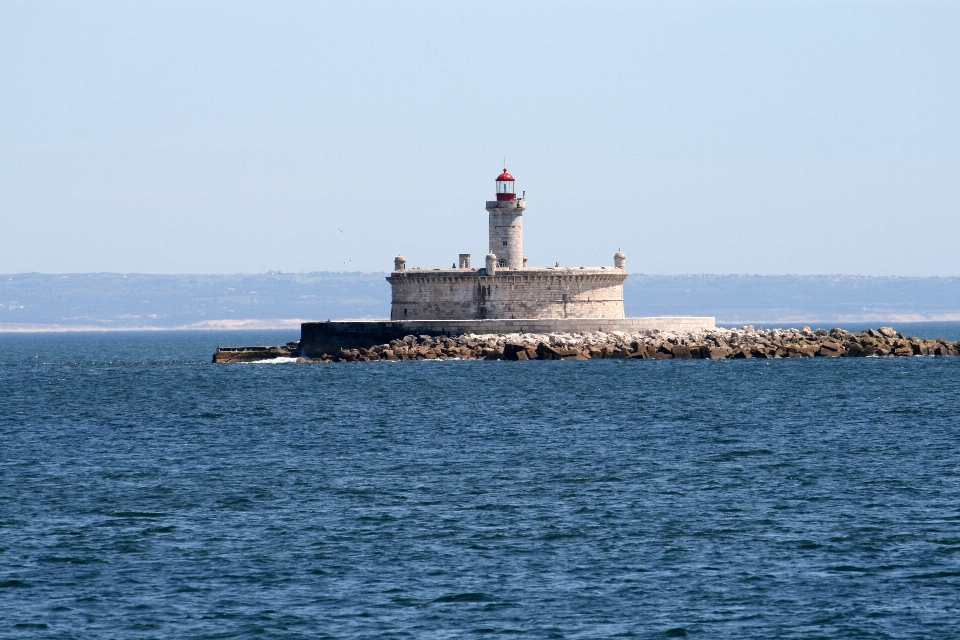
<point>147,493</point>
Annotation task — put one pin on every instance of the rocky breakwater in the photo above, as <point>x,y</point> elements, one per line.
<point>714,344</point>
<point>256,354</point>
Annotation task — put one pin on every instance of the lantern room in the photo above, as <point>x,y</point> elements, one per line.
<point>505,189</point>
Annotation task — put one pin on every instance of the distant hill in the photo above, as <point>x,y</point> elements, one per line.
<point>793,299</point>
<point>121,301</point>
<point>113,300</point>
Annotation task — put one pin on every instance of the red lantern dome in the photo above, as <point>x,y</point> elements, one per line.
<point>505,188</point>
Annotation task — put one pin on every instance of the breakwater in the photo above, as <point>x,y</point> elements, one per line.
<point>713,344</point>
<point>324,338</point>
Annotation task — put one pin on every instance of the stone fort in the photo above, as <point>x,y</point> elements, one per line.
<point>505,296</point>
<point>505,287</point>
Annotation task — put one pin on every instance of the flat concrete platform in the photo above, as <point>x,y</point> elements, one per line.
<point>318,338</point>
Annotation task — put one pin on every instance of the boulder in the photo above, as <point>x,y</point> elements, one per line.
<point>546,352</point>
<point>699,352</point>
<point>512,351</point>
<point>682,352</point>
<point>854,350</point>
<point>887,332</point>
<point>717,353</point>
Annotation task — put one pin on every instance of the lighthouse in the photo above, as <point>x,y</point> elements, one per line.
<point>506,223</point>
<point>504,287</point>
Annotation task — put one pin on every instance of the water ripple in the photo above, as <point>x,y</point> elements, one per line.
<point>147,493</point>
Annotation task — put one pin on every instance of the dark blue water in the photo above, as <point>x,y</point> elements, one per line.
<point>147,493</point>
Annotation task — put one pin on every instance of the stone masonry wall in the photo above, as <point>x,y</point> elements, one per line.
<point>317,338</point>
<point>461,294</point>
<point>506,233</point>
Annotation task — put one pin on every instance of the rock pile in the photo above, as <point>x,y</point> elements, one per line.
<point>255,354</point>
<point>715,344</point>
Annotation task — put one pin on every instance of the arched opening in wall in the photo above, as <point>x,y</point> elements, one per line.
<point>404,313</point>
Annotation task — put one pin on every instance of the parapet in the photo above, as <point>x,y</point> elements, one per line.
<point>506,204</point>
<point>552,272</point>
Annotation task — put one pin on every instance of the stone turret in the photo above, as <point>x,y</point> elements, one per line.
<point>491,264</point>
<point>620,260</point>
<point>506,223</point>
<point>399,263</point>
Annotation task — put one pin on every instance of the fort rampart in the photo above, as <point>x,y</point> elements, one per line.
<point>318,338</point>
<point>465,294</point>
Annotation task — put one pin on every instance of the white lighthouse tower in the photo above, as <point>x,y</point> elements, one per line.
<point>506,224</point>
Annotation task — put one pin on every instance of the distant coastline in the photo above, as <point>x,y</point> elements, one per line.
<point>280,324</point>
<point>97,302</point>
<point>248,324</point>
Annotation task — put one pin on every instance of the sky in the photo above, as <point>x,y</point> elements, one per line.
<point>698,137</point>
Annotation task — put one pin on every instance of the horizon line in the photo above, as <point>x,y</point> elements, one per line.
<point>66,274</point>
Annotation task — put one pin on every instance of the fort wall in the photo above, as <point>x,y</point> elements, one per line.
<point>465,294</point>
<point>319,338</point>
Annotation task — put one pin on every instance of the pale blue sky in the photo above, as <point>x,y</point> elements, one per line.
<point>766,138</point>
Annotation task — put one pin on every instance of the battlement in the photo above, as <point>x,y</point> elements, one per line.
<point>505,272</point>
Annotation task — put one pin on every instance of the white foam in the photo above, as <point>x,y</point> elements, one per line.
<point>272,361</point>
